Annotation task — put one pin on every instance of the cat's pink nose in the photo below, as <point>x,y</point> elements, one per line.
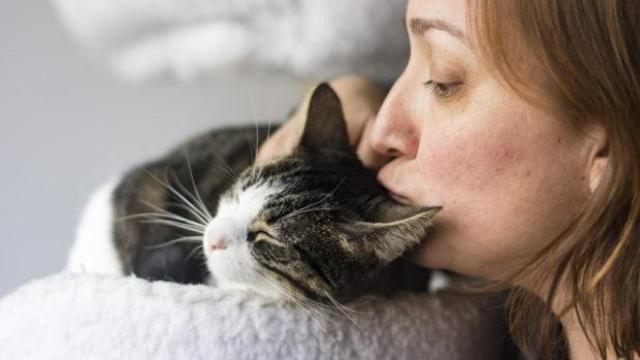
<point>218,243</point>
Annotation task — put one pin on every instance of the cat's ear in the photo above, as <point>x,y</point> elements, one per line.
<point>325,126</point>
<point>391,228</point>
<point>388,211</point>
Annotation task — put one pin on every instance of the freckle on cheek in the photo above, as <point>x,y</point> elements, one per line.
<point>469,161</point>
<point>415,142</point>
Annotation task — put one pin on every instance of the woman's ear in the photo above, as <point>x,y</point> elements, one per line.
<point>598,155</point>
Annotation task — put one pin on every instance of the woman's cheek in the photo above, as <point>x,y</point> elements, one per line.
<point>470,163</point>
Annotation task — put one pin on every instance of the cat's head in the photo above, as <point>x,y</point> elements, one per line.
<point>315,223</point>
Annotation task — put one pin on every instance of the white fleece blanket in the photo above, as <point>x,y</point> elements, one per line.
<point>102,317</point>
<point>313,39</point>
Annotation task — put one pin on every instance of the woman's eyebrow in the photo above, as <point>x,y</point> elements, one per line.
<point>419,26</point>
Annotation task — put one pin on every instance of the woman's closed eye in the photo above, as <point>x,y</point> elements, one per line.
<point>443,90</point>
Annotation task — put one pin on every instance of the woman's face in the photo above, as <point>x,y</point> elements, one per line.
<point>509,175</point>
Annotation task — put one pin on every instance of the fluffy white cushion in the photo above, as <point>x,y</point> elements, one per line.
<point>309,38</point>
<point>103,317</point>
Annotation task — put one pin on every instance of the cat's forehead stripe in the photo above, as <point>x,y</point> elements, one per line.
<point>239,211</point>
<point>257,194</point>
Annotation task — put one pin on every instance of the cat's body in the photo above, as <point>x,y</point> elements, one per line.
<point>210,162</point>
<point>315,223</point>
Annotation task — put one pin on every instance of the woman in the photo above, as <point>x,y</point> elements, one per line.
<point>522,119</point>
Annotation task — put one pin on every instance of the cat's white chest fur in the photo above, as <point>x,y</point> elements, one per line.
<point>94,250</point>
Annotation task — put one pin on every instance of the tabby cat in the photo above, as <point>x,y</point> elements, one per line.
<point>314,224</point>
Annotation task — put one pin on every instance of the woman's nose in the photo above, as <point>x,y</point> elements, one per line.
<point>394,133</point>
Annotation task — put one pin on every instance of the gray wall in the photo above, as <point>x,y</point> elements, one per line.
<point>66,125</point>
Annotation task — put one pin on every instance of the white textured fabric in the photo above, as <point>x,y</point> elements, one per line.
<point>106,317</point>
<point>308,38</point>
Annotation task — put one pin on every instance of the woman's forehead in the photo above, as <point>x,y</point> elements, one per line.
<point>426,19</point>
<point>449,12</point>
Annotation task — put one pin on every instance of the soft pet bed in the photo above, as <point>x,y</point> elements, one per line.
<point>81,316</point>
<point>313,39</point>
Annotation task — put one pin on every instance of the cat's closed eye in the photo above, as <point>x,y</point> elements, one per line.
<point>257,235</point>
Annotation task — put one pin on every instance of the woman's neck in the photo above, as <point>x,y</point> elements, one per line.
<point>578,343</point>
<point>579,346</point>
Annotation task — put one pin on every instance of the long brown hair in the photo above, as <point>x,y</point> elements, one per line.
<point>589,53</point>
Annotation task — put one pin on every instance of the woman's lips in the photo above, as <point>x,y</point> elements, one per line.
<point>396,196</point>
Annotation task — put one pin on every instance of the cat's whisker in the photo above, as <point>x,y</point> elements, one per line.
<point>203,215</point>
<point>253,157</point>
<point>259,168</point>
<point>193,252</point>
<point>324,307</point>
<point>164,219</point>
<point>304,211</point>
<point>256,171</point>
<point>269,120</point>
<point>224,170</point>
<point>301,302</point>
<point>299,299</point>
<point>266,138</point>
<point>257,133</point>
<point>323,199</point>
<point>286,294</point>
<point>166,214</point>
<point>175,224</point>
<point>176,193</point>
<point>175,241</point>
<point>198,219</point>
<point>228,169</point>
<point>189,202</point>
<point>195,189</point>
<point>344,310</point>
